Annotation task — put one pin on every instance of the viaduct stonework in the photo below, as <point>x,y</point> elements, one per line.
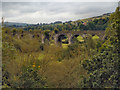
<point>71,34</point>
<point>57,37</point>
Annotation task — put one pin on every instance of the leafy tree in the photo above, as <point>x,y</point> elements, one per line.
<point>56,31</point>
<point>14,30</point>
<point>103,68</point>
<point>91,25</point>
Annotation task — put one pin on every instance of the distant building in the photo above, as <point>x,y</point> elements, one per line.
<point>85,23</point>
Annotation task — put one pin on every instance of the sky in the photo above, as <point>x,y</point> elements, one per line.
<point>34,12</point>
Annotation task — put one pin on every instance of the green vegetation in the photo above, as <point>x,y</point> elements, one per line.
<point>103,68</point>
<point>95,37</point>
<point>88,24</point>
<point>87,63</point>
<point>80,39</point>
<point>93,23</point>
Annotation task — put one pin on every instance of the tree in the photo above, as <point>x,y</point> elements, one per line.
<point>91,25</point>
<point>103,68</point>
<point>14,30</point>
<point>56,31</point>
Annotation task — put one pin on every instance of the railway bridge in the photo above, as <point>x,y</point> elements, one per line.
<point>57,36</point>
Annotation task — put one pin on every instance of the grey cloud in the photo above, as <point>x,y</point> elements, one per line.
<point>21,11</point>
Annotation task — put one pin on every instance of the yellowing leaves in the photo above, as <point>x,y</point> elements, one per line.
<point>95,37</point>
<point>33,65</point>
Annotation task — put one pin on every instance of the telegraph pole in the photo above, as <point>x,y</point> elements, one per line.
<point>2,21</point>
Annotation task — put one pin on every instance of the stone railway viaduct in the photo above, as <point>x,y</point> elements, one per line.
<point>57,37</point>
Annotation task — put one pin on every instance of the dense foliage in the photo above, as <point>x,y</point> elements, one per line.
<point>103,68</point>
<point>29,63</point>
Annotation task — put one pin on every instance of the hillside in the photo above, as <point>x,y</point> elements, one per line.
<point>16,24</point>
<point>96,17</point>
<point>93,23</point>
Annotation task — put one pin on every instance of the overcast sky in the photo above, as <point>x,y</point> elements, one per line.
<point>46,12</point>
